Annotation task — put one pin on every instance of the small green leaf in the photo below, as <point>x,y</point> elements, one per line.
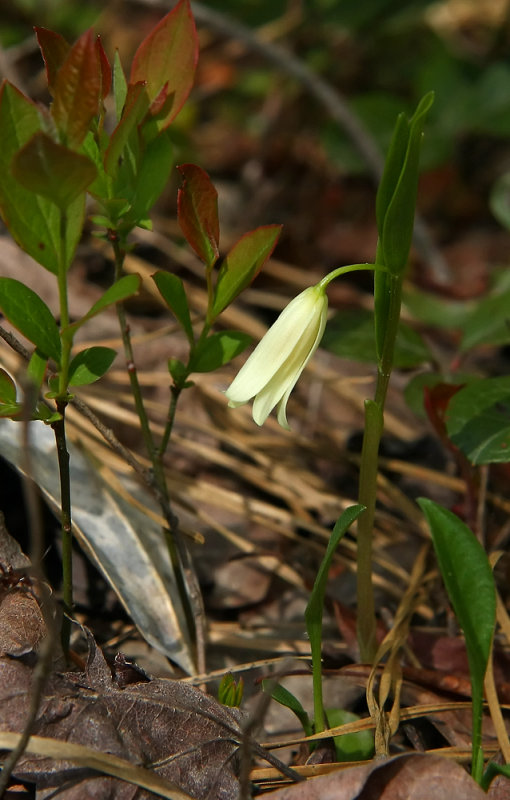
<point>315,608</point>
<point>197,207</point>
<point>287,699</point>
<point>350,334</point>
<point>478,420</point>
<point>165,61</point>
<point>36,369</point>
<point>77,90</point>
<point>156,162</point>
<point>134,109</point>
<point>53,171</point>
<point>125,287</point>
<point>398,220</point>
<point>33,221</point>
<point>31,316</point>
<point>10,410</point>
<point>172,291</point>
<point>488,322</point>
<point>469,582</point>
<point>90,365</point>
<point>119,86</point>
<point>179,372</point>
<point>7,388</point>
<point>218,349</point>
<point>352,746</point>
<point>230,692</point>
<point>242,264</point>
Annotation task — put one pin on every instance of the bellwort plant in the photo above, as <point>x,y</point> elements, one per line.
<point>271,372</point>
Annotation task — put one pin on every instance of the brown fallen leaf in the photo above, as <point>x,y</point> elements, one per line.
<point>167,726</point>
<point>406,777</point>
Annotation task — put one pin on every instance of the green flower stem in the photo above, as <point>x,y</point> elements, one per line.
<point>374,424</point>
<point>336,273</point>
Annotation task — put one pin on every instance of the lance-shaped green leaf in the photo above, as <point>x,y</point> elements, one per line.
<point>34,221</point>
<point>156,162</point>
<point>287,699</point>
<point>90,364</point>
<point>478,420</point>
<point>52,170</point>
<point>54,49</point>
<point>172,291</point>
<point>166,61</point>
<point>218,349</point>
<point>469,582</point>
<point>197,209</point>
<point>31,316</point>
<point>242,264</point>
<point>119,86</point>
<point>396,198</point>
<point>125,287</point>
<point>77,90</point>
<point>7,388</point>
<point>135,107</point>
<point>315,608</point>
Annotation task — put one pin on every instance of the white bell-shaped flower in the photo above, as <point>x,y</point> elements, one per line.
<point>273,369</point>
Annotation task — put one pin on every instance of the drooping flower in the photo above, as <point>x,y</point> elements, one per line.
<point>273,369</point>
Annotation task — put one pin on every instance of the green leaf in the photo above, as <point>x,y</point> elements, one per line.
<point>397,214</point>
<point>119,86</point>
<point>488,323</point>
<point>172,291</point>
<point>33,221</point>
<point>287,699</point>
<point>7,388</point>
<point>90,365</point>
<point>230,693</point>
<point>10,410</point>
<point>125,287</point>
<point>352,746</point>
<point>77,90</point>
<point>36,369</point>
<point>53,171</point>
<point>478,420</point>
<point>166,61</point>
<point>179,372</point>
<point>350,334</point>
<point>134,109</point>
<point>242,264</point>
<point>153,172</point>
<point>31,316</point>
<point>197,208</point>
<point>218,349</point>
<point>469,582</point>
<point>433,310</point>
<point>315,607</point>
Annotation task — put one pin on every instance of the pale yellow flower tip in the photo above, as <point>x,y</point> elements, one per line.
<point>274,367</point>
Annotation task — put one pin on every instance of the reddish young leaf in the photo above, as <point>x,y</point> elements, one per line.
<point>78,90</point>
<point>166,60</point>
<point>243,263</point>
<point>106,70</point>
<point>54,49</point>
<point>197,207</point>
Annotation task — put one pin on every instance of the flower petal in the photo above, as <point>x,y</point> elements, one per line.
<point>277,345</point>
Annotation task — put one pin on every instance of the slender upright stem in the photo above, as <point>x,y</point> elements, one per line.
<point>374,424</point>
<point>155,453</point>
<point>59,429</point>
